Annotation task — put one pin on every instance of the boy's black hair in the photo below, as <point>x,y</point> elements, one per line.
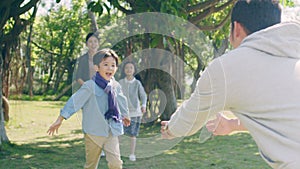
<point>256,15</point>
<point>90,35</point>
<point>105,53</point>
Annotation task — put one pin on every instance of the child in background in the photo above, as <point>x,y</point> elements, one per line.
<point>104,109</point>
<point>134,91</point>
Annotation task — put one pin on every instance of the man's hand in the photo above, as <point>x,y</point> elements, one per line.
<point>222,125</point>
<point>165,133</point>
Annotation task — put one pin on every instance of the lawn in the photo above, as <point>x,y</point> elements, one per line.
<point>32,148</point>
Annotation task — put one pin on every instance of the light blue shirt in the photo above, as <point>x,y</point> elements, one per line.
<point>94,103</point>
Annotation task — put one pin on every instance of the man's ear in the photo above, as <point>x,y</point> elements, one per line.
<point>239,31</point>
<point>237,35</point>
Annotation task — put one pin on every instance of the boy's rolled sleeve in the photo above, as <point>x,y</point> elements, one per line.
<point>76,102</point>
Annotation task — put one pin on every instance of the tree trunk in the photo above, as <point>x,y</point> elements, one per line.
<point>5,69</point>
<point>94,25</point>
<point>161,78</point>
<point>166,84</point>
<point>51,65</point>
<point>28,58</point>
<point>58,77</point>
<point>64,91</point>
<point>179,68</point>
<point>3,136</point>
<point>220,51</point>
<point>197,73</point>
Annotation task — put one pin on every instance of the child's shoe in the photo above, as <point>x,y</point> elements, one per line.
<point>132,157</point>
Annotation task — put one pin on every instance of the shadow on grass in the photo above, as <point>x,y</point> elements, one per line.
<point>55,153</point>
<point>237,151</point>
<point>227,152</point>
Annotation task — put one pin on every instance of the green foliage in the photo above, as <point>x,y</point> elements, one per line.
<point>26,97</point>
<point>8,26</point>
<point>58,39</point>
<point>177,8</point>
<point>220,34</point>
<point>96,7</point>
<point>287,3</point>
<point>44,97</point>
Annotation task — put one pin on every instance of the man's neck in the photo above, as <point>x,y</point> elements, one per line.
<point>91,53</point>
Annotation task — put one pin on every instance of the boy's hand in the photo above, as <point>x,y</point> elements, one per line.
<point>143,109</point>
<point>54,127</point>
<point>126,121</point>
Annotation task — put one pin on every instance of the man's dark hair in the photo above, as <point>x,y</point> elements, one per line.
<point>256,15</point>
<point>90,35</point>
<point>105,53</point>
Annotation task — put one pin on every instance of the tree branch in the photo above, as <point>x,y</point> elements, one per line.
<point>17,10</point>
<point>44,49</point>
<point>220,51</point>
<point>19,26</point>
<point>4,16</point>
<point>202,6</point>
<point>215,27</point>
<point>12,9</point>
<point>121,8</point>
<point>4,4</point>
<point>94,25</point>
<point>209,11</point>
<point>20,10</point>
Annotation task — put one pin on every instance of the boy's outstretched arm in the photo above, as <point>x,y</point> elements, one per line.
<point>54,127</point>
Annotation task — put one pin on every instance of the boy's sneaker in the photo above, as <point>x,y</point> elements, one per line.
<point>132,157</point>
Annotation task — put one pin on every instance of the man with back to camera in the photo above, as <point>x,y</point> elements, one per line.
<point>259,81</point>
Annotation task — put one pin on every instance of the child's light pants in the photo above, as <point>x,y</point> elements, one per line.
<point>93,148</point>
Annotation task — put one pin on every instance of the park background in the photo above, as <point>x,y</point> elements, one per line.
<point>40,43</point>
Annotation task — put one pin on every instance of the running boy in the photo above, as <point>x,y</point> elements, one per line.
<point>104,108</point>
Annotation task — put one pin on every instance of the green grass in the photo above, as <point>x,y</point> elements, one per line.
<point>32,148</point>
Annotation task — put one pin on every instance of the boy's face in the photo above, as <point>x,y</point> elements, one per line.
<point>107,68</point>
